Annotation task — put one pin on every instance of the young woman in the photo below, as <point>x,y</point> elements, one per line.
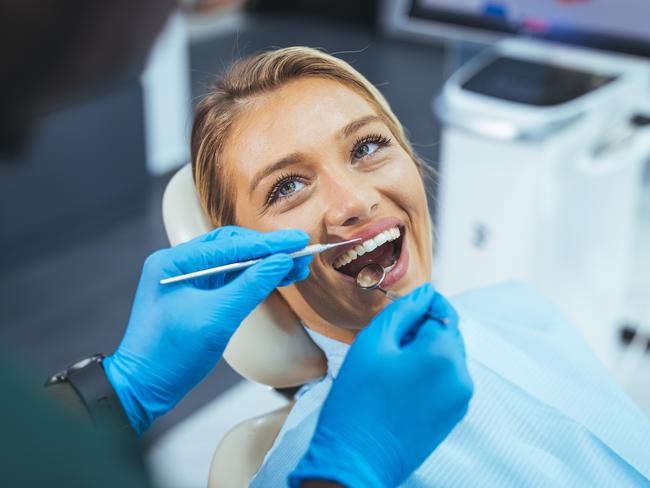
<point>295,138</point>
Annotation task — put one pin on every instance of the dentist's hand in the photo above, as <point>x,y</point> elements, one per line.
<point>391,404</point>
<point>178,332</point>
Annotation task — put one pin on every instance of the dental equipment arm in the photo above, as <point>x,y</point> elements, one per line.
<point>177,333</point>
<point>394,401</point>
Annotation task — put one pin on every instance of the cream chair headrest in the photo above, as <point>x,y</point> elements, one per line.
<point>271,346</point>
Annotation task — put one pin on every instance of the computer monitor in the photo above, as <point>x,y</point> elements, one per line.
<point>611,25</point>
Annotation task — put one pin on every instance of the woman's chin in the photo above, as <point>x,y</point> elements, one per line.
<point>342,304</point>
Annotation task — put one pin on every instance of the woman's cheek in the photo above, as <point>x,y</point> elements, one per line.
<point>402,177</point>
<point>303,217</point>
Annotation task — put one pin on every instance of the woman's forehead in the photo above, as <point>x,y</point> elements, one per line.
<point>304,116</point>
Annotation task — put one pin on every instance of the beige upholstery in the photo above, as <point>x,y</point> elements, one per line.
<point>270,346</point>
<point>242,450</point>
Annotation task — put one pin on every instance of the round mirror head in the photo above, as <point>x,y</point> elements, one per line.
<point>371,276</point>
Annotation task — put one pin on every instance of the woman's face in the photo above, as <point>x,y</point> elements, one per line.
<point>315,155</point>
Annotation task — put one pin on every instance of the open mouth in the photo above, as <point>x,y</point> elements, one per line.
<point>384,249</point>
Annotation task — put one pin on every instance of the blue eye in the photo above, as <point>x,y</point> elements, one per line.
<point>369,145</point>
<point>365,149</point>
<point>289,187</point>
<point>285,187</point>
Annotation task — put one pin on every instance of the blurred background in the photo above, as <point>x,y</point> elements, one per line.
<point>536,114</point>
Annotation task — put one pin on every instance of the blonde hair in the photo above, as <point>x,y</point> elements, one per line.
<point>253,76</point>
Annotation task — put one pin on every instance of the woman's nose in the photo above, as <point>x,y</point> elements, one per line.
<point>350,203</point>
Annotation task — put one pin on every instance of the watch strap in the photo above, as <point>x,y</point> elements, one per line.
<point>89,381</point>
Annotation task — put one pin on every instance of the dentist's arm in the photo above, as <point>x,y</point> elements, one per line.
<point>392,404</point>
<point>178,332</point>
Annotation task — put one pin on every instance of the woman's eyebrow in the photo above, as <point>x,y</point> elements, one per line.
<point>355,125</point>
<point>289,160</point>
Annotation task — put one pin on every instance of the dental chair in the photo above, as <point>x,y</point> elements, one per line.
<point>270,347</point>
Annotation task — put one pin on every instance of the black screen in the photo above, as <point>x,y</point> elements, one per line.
<point>532,83</point>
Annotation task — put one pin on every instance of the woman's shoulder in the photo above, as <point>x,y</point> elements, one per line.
<point>512,303</point>
<point>513,322</point>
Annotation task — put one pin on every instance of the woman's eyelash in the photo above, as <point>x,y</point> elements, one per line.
<point>378,139</point>
<point>282,179</point>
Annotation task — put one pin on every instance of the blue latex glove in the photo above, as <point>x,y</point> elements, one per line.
<point>391,404</point>
<point>178,332</point>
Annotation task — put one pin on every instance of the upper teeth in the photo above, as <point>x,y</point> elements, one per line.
<point>367,246</point>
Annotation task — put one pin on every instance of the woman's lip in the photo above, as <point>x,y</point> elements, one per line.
<point>401,266</point>
<point>368,232</point>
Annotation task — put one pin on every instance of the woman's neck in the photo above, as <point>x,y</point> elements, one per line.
<point>313,320</point>
<point>340,334</point>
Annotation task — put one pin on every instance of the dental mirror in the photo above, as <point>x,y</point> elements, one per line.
<point>371,276</point>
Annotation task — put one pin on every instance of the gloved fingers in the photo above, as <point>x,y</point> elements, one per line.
<point>254,284</point>
<point>442,311</point>
<point>298,272</point>
<point>255,245</point>
<point>436,339</point>
<point>401,316</point>
<point>197,255</point>
<point>277,241</point>
<point>439,334</point>
<point>225,232</point>
<point>441,315</point>
<point>440,351</point>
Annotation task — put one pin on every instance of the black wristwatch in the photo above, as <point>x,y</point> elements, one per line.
<point>89,381</point>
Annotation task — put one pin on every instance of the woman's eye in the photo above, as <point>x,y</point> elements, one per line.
<point>365,149</point>
<point>286,187</point>
<point>289,187</point>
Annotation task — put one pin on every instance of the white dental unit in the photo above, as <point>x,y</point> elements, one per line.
<point>540,180</point>
<point>541,156</point>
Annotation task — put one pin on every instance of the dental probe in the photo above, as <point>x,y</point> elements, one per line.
<point>313,249</point>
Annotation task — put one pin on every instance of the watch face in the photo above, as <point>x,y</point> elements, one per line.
<point>62,376</point>
<point>86,362</point>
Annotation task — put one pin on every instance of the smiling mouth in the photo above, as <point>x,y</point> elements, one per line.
<point>384,249</point>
